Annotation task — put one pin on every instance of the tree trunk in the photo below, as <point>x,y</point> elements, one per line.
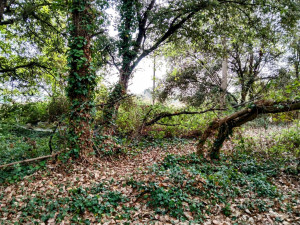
<point>127,55</point>
<point>224,76</point>
<point>224,81</point>
<point>2,7</point>
<point>243,95</point>
<point>154,77</point>
<point>111,108</point>
<point>131,50</point>
<point>224,126</point>
<point>297,70</point>
<point>297,60</point>
<point>81,80</point>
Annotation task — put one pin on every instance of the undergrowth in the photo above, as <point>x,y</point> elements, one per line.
<point>98,200</point>
<point>17,144</point>
<point>186,188</point>
<point>196,185</point>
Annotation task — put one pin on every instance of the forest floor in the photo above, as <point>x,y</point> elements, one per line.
<point>255,182</point>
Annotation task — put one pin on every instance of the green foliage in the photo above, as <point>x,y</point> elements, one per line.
<point>288,141</point>
<point>98,200</point>
<point>227,210</point>
<point>172,200</point>
<point>18,172</point>
<point>58,107</point>
<point>82,76</point>
<point>277,145</point>
<point>35,112</point>
<point>132,114</point>
<point>285,91</point>
<point>32,112</point>
<point>181,186</point>
<point>18,143</point>
<point>189,184</point>
<point>114,146</point>
<point>32,48</point>
<point>81,201</point>
<point>107,145</point>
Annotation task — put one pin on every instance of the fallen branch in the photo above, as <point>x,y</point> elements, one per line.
<point>54,131</point>
<point>169,115</point>
<point>141,127</point>
<point>169,125</point>
<point>30,160</point>
<point>225,126</point>
<point>117,100</point>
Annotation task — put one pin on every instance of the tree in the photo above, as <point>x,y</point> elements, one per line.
<point>143,27</point>
<point>248,63</point>
<point>39,30</point>
<point>224,126</point>
<point>140,22</point>
<point>224,80</point>
<point>81,81</point>
<point>32,45</point>
<point>194,77</point>
<point>249,42</point>
<point>295,56</point>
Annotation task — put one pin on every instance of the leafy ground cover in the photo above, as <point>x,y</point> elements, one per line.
<point>17,143</point>
<point>165,183</point>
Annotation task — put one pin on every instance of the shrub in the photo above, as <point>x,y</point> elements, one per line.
<point>57,107</point>
<point>132,113</point>
<point>31,112</point>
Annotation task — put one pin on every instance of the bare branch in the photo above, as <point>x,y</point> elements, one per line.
<point>30,160</point>
<point>29,65</point>
<point>169,115</point>
<point>142,26</point>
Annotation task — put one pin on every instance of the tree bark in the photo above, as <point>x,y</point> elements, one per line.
<point>2,7</point>
<point>81,81</point>
<point>154,77</point>
<point>224,126</point>
<point>224,76</point>
<point>30,160</point>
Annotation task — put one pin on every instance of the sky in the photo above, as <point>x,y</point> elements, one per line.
<point>142,76</point>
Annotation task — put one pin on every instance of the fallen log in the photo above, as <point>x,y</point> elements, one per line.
<point>30,160</point>
<point>224,127</point>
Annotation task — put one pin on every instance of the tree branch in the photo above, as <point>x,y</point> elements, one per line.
<point>142,26</point>
<point>31,160</point>
<point>226,124</point>
<point>29,65</point>
<point>169,115</point>
<point>172,29</point>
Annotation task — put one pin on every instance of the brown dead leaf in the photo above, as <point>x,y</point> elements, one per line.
<point>188,215</point>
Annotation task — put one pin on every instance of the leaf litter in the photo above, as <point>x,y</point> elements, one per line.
<point>132,190</point>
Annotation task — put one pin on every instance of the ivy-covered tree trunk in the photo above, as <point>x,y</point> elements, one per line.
<point>81,80</point>
<point>114,100</point>
<point>137,19</point>
<point>2,6</point>
<point>127,20</point>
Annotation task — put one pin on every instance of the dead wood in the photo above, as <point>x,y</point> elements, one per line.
<point>30,160</point>
<point>224,127</point>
